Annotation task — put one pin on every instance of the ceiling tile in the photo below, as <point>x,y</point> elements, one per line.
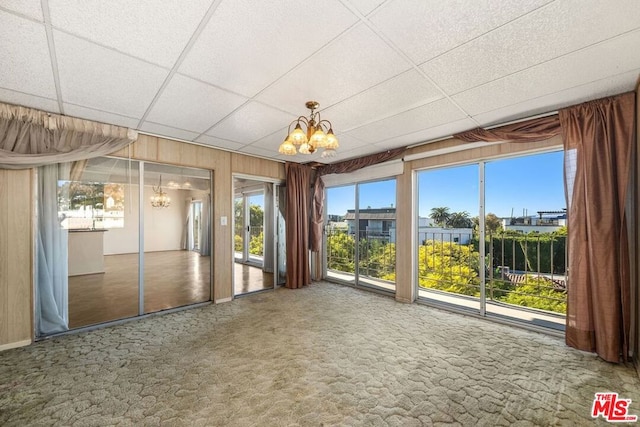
<point>272,142</point>
<point>189,104</point>
<point>250,123</point>
<point>161,130</point>
<point>30,8</point>
<point>349,142</point>
<point>100,116</point>
<point>401,93</point>
<point>350,154</point>
<point>252,68</point>
<point>220,143</point>
<point>560,74</point>
<point>538,37</point>
<point>599,89</point>
<point>257,151</point>
<point>244,48</point>
<point>31,101</point>
<point>103,79</point>
<point>284,158</point>
<point>366,6</point>
<point>426,135</point>
<point>356,61</point>
<point>25,64</point>
<point>424,117</point>
<point>148,29</point>
<point>424,29</point>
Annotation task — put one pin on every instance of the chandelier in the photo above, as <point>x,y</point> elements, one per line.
<point>160,198</point>
<point>314,138</point>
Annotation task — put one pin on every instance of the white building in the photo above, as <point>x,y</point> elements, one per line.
<point>428,231</point>
<point>378,223</point>
<point>545,222</point>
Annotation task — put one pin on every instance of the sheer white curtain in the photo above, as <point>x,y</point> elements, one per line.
<point>52,283</point>
<point>205,227</point>
<point>281,191</point>
<point>187,238</point>
<point>269,229</point>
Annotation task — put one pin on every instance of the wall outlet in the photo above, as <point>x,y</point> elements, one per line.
<point>223,220</point>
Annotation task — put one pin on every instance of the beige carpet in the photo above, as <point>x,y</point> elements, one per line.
<point>324,355</point>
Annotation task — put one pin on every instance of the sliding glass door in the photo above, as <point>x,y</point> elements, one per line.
<point>177,245</point>
<point>526,238</point>
<point>249,228</point>
<point>491,238</point>
<point>118,239</point>
<point>101,216</point>
<point>448,252</point>
<point>259,228</point>
<point>360,234</point>
<point>340,234</point>
<point>376,234</point>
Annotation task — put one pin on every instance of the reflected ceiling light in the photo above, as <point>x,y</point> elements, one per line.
<point>314,137</point>
<point>160,198</point>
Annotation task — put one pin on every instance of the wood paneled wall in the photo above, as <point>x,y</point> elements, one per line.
<point>405,291</point>
<point>223,164</point>
<point>16,243</point>
<point>256,166</point>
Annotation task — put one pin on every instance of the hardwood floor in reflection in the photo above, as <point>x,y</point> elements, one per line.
<point>248,278</point>
<point>171,279</point>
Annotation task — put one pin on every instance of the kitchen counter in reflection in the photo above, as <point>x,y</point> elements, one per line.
<point>86,251</point>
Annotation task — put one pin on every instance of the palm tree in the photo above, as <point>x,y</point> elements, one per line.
<point>460,220</point>
<point>440,215</point>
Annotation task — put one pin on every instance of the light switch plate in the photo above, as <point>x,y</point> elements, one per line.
<point>223,220</point>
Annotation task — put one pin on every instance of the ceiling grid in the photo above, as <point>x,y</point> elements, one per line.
<point>232,74</point>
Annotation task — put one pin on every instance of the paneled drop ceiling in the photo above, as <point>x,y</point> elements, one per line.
<point>232,74</point>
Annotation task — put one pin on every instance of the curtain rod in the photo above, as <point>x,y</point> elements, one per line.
<point>512,122</point>
<point>524,119</point>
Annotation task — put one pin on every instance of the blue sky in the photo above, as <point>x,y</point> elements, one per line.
<point>531,183</point>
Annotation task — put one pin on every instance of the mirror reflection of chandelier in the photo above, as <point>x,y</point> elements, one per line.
<point>314,137</point>
<point>160,198</point>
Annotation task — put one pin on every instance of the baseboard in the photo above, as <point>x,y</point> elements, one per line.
<point>404,300</point>
<point>16,344</point>
<point>221,300</point>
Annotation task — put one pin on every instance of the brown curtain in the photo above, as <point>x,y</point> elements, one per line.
<point>297,224</point>
<point>530,130</point>
<point>345,166</point>
<point>599,135</point>
<point>317,221</point>
<point>31,138</point>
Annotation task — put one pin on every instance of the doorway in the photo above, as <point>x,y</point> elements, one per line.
<point>492,238</point>
<point>257,238</point>
<point>360,235</point>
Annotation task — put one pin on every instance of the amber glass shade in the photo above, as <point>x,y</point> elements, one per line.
<point>287,148</point>
<point>332,141</point>
<point>298,136</point>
